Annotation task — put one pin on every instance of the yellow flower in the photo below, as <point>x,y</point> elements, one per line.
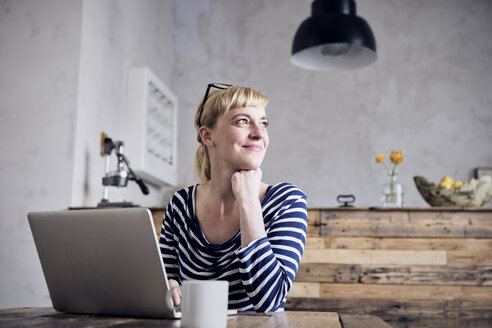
<point>457,184</point>
<point>396,157</point>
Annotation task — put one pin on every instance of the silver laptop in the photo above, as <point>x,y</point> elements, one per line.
<point>104,261</point>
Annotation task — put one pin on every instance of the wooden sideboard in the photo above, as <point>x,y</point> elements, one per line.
<point>158,216</point>
<point>412,267</point>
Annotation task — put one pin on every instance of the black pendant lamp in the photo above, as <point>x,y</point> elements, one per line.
<point>333,38</point>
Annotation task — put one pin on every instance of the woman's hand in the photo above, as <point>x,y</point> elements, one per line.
<point>176,294</point>
<point>246,185</point>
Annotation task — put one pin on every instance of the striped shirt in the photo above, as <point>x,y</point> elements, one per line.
<point>259,275</point>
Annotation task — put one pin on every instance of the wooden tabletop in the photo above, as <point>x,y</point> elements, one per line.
<point>47,317</point>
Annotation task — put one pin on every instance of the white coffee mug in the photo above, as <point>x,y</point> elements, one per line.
<point>204,303</point>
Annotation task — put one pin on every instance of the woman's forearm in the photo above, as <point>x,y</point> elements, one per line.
<point>246,188</point>
<point>251,220</point>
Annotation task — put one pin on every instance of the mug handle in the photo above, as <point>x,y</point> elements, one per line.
<point>170,299</point>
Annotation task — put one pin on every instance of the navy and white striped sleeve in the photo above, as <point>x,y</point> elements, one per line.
<point>268,265</point>
<point>168,243</point>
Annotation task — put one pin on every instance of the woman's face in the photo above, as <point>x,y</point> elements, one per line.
<point>240,137</point>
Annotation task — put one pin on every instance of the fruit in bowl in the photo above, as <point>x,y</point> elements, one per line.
<point>474,193</point>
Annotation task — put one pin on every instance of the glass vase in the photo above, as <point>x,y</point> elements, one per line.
<point>392,192</point>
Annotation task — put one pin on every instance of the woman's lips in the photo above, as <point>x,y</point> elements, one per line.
<point>254,147</point>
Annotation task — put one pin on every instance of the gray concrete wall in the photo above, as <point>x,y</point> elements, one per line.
<point>39,55</point>
<point>116,35</point>
<point>428,93</point>
<point>64,67</point>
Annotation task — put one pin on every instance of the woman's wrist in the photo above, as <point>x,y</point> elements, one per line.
<point>248,201</point>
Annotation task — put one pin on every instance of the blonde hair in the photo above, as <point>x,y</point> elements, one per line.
<point>217,104</point>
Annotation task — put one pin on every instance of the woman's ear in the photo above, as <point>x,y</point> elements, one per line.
<point>206,136</point>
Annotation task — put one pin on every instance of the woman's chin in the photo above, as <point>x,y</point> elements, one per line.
<point>250,166</point>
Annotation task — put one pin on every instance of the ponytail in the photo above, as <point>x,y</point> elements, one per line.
<point>202,163</point>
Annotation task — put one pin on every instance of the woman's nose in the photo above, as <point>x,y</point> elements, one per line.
<point>256,131</point>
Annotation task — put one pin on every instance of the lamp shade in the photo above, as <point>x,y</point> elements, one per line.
<point>333,38</point>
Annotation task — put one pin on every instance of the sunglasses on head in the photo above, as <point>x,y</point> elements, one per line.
<point>222,86</point>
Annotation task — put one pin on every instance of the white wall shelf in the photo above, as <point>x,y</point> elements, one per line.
<point>151,126</point>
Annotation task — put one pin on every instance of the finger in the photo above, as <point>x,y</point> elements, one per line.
<point>176,297</point>
<point>176,294</point>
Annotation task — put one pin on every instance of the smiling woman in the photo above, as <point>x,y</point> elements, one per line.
<point>240,138</point>
<point>217,105</point>
<point>233,226</point>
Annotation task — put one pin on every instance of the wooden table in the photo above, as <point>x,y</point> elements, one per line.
<point>48,317</point>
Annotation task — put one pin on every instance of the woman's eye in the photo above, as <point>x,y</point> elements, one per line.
<point>264,124</point>
<point>242,121</point>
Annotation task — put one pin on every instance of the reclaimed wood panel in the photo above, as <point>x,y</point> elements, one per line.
<point>450,244</point>
<point>313,228</point>
<point>405,292</point>
<point>315,242</point>
<point>455,275</point>
<point>469,251</point>
<point>405,224</point>
<point>305,289</point>
<point>355,256</point>
<point>459,224</point>
<point>327,272</point>
<point>422,314</point>
<point>428,267</point>
<point>477,257</point>
<point>354,242</point>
